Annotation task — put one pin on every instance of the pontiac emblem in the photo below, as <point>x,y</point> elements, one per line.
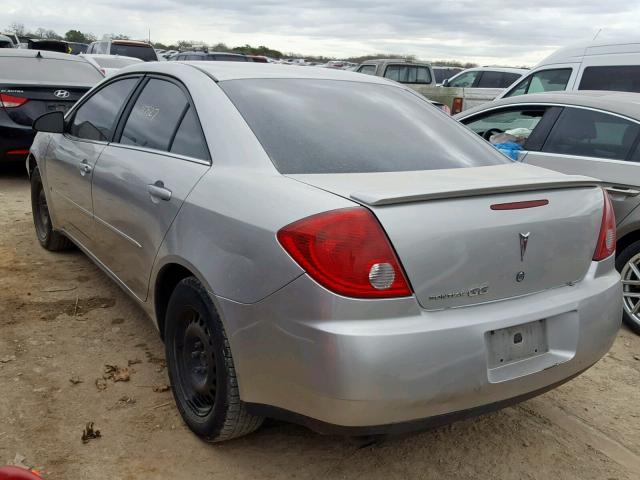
<point>524,240</point>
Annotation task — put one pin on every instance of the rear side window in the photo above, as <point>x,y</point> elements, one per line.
<point>143,52</point>
<point>189,140</point>
<point>367,69</point>
<point>620,79</point>
<point>491,79</point>
<point>543,81</point>
<point>48,70</point>
<point>95,119</point>
<point>408,74</point>
<point>592,134</point>
<point>379,128</point>
<point>155,116</point>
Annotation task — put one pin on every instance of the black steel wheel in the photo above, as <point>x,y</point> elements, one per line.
<point>201,368</point>
<point>47,236</point>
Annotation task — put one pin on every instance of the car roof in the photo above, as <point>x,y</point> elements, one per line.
<point>106,55</point>
<point>622,103</point>
<point>601,46</point>
<point>33,53</point>
<point>521,71</point>
<point>223,71</point>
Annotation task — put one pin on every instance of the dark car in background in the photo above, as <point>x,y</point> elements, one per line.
<point>210,56</point>
<point>76,48</point>
<point>33,82</point>
<point>125,48</point>
<point>48,44</point>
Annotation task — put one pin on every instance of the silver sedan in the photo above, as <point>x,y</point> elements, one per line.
<point>326,247</point>
<point>588,133</point>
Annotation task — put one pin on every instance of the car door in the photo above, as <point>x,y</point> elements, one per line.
<point>597,144</point>
<point>74,154</point>
<point>143,177</point>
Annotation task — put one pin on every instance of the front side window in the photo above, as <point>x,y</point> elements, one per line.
<point>408,74</point>
<point>96,118</point>
<point>543,81</point>
<point>624,78</point>
<point>367,69</point>
<point>518,122</point>
<point>592,134</point>
<point>155,116</point>
<point>464,80</point>
<point>381,128</point>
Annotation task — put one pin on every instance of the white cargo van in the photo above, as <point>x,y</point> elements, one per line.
<point>596,65</point>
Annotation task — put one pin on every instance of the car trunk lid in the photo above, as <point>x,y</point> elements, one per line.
<point>457,250</point>
<point>40,99</point>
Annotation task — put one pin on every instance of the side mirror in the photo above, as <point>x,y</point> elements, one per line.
<point>52,122</point>
<point>445,83</point>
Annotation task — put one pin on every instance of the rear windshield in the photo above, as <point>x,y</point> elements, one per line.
<point>48,70</point>
<point>328,126</point>
<point>145,52</point>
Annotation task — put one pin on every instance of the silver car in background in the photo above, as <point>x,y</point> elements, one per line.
<point>595,133</point>
<point>326,247</point>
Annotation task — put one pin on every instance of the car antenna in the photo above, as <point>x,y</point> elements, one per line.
<point>597,34</point>
<point>38,55</point>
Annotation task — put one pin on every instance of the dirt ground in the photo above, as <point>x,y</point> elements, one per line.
<point>62,320</point>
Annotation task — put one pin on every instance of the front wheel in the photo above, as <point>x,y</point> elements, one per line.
<point>47,236</point>
<point>201,368</point>
<point>628,264</point>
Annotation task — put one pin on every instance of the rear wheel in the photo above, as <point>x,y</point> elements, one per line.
<point>47,236</point>
<point>201,366</point>
<point>628,264</point>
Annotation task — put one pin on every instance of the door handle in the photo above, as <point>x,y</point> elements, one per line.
<point>84,167</point>
<point>158,191</point>
<point>620,193</point>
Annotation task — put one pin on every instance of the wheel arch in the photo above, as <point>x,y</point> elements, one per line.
<point>626,240</point>
<point>168,275</point>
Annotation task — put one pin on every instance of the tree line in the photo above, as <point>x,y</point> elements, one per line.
<point>87,37</point>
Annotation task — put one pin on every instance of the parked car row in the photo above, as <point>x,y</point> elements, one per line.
<point>345,215</point>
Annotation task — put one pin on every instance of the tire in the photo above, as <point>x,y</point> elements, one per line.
<point>200,366</point>
<point>47,236</point>
<point>628,264</point>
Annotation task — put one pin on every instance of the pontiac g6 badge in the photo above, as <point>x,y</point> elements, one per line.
<point>524,240</point>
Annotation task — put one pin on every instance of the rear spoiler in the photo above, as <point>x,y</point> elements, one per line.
<point>390,197</point>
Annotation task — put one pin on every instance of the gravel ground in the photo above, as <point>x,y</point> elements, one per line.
<point>62,320</point>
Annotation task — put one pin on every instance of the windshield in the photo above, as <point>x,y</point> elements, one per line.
<point>143,52</point>
<point>48,70</point>
<point>329,126</point>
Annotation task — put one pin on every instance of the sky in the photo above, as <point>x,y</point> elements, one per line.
<point>487,32</point>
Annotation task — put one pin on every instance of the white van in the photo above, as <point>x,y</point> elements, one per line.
<point>596,65</point>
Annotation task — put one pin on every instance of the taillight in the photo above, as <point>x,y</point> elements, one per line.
<point>456,106</point>
<point>347,252</point>
<point>9,101</point>
<point>606,245</point>
<point>103,72</point>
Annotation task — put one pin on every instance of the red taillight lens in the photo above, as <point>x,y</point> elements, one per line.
<point>9,101</point>
<point>347,252</point>
<point>103,72</point>
<point>606,245</point>
<point>456,106</point>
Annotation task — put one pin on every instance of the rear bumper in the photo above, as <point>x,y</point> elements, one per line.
<point>384,366</point>
<point>13,137</point>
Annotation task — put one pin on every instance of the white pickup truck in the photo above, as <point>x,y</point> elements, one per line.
<point>469,88</point>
